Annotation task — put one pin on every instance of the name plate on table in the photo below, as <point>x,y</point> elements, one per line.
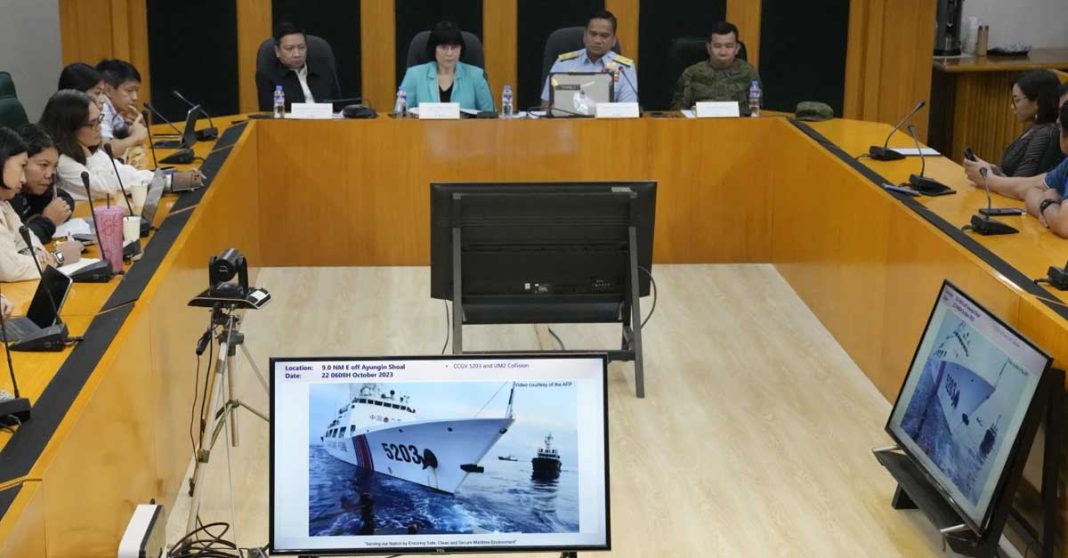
<point>616,110</point>
<point>439,111</point>
<point>718,109</point>
<point>311,111</point>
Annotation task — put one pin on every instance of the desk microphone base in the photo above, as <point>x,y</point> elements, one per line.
<point>929,186</point>
<point>988,227</point>
<point>884,154</point>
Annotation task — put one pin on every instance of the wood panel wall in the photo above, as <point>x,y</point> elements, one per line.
<point>92,30</point>
<point>888,66</point>
<point>746,15</point>
<point>888,59</point>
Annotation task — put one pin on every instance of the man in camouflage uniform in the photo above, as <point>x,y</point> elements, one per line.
<point>720,78</point>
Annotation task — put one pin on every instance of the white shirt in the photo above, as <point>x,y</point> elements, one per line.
<point>102,179</point>
<point>15,266</point>
<point>302,75</point>
<point>112,120</point>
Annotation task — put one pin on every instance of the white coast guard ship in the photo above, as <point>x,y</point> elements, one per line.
<point>379,430</point>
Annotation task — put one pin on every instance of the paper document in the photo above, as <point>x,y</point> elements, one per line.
<point>688,113</point>
<point>74,226</point>
<point>912,152</point>
<point>71,268</point>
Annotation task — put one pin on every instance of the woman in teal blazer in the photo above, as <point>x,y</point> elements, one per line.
<point>446,79</point>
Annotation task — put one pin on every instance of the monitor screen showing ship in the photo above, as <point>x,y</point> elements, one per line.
<point>417,458</point>
<point>961,407</point>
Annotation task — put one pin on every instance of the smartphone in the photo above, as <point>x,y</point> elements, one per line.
<point>1002,211</point>
<point>969,154</point>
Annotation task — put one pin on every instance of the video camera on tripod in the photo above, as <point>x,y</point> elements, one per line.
<point>223,291</point>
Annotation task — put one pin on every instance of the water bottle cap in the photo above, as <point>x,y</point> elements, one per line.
<point>755,82</point>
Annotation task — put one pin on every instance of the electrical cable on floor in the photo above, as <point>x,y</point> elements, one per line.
<point>448,326</point>
<point>655,297</point>
<point>558,340</point>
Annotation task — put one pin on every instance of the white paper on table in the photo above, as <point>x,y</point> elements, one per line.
<point>438,111</point>
<point>311,111</point>
<point>717,109</point>
<point>71,268</point>
<point>74,226</point>
<point>912,152</point>
<point>616,110</point>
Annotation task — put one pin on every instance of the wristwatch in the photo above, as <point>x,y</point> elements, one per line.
<point>59,257</point>
<point>1046,203</point>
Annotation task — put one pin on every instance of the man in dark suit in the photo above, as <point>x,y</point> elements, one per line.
<point>306,77</point>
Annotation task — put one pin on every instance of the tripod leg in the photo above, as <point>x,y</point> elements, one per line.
<point>231,397</point>
<point>203,451</point>
<point>259,374</point>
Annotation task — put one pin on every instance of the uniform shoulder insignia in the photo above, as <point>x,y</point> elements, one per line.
<point>569,55</point>
<point>623,60</point>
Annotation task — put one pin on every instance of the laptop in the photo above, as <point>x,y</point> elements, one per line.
<point>41,316</point>
<point>577,93</point>
<point>152,199</point>
<point>189,133</point>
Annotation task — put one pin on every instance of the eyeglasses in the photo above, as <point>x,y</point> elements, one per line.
<point>94,124</point>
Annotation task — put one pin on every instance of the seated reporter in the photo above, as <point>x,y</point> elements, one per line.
<point>1044,194</point>
<point>40,205</point>
<point>445,79</point>
<point>304,76</point>
<point>16,259</point>
<point>73,121</point>
<point>1034,103</point>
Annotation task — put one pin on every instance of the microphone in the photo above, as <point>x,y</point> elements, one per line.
<point>177,132</point>
<point>616,70</point>
<point>132,248</point>
<point>886,154</point>
<point>125,196</point>
<point>152,146</point>
<point>18,406</point>
<point>920,183</point>
<point>206,134</point>
<point>985,225</point>
<point>99,272</point>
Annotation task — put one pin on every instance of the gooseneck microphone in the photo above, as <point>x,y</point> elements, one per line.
<point>207,134</point>
<point>114,165</point>
<point>98,272</point>
<point>17,406</point>
<point>151,145</point>
<point>986,225</point>
<point>920,183</point>
<point>884,153</point>
<point>159,115</point>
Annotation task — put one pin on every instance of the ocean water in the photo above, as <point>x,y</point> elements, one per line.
<point>503,499</point>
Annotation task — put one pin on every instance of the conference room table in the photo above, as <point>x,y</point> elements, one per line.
<point>111,415</point>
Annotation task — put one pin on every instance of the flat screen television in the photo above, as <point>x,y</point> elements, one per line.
<point>967,396</point>
<point>541,252</point>
<point>407,455</point>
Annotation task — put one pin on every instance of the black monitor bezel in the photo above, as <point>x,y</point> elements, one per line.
<point>1031,417</point>
<point>440,253</point>
<point>603,357</point>
<point>58,284</point>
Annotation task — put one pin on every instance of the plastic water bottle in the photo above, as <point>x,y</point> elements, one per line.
<point>754,99</point>
<point>506,102</point>
<point>400,109</point>
<point>279,102</point>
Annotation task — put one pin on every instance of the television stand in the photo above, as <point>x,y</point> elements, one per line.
<point>630,317</point>
<point>915,491</point>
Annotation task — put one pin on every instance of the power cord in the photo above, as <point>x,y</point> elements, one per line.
<point>203,543</point>
<point>655,297</point>
<point>448,326</point>
<point>558,340</point>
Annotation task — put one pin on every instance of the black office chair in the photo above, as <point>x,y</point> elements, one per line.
<point>12,113</point>
<point>472,54</point>
<point>564,40</point>
<point>318,50</point>
<point>1053,155</point>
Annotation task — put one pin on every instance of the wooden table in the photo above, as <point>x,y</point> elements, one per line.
<point>298,193</point>
<point>971,101</point>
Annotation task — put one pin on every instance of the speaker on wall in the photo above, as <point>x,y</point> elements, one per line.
<point>338,23</point>
<point>192,48</point>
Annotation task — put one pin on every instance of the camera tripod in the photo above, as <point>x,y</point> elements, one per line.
<point>217,412</point>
